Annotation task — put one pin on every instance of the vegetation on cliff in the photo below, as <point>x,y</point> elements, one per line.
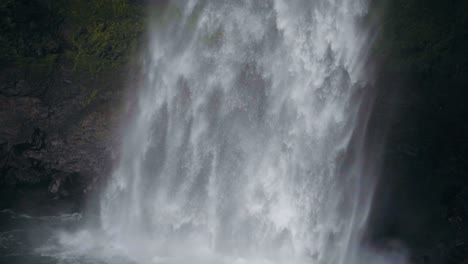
<point>47,127</point>
<point>91,35</point>
<point>62,77</point>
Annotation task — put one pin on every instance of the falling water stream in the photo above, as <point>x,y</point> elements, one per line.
<point>239,149</point>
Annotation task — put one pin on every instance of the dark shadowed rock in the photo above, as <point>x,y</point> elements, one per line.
<point>63,141</point>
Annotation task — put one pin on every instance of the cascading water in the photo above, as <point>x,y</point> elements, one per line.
<point>236,153</point>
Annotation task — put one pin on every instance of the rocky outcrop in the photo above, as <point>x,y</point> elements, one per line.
<point>59,133</point>
<point>60,89</point>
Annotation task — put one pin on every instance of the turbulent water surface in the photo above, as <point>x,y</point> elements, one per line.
<point>243,148</point>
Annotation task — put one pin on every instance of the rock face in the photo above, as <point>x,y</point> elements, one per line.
<point>60,132</point>
<point>61,70</point>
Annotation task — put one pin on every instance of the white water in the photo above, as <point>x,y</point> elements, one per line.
<point>238,151</point>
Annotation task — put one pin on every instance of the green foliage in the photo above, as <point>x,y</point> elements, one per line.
<point>92,96</point>
<point>101,33</point>
<point>94,35</point>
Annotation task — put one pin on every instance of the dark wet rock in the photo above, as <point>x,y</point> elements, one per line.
<point>60,90</point>
<point>63,139</point>
<point>19,116</point>
<point>16,81</point>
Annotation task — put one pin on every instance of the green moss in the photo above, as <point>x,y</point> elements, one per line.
<point>92,96</point>
<point>94,35</point>
<point>102,33</point>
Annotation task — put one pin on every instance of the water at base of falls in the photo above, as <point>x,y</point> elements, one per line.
<point>242,148</point>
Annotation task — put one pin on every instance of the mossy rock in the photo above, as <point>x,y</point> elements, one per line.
<point>101,34</point>
<point>93,35</point>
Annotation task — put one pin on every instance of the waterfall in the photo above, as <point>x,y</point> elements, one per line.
<point>239,148</point>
